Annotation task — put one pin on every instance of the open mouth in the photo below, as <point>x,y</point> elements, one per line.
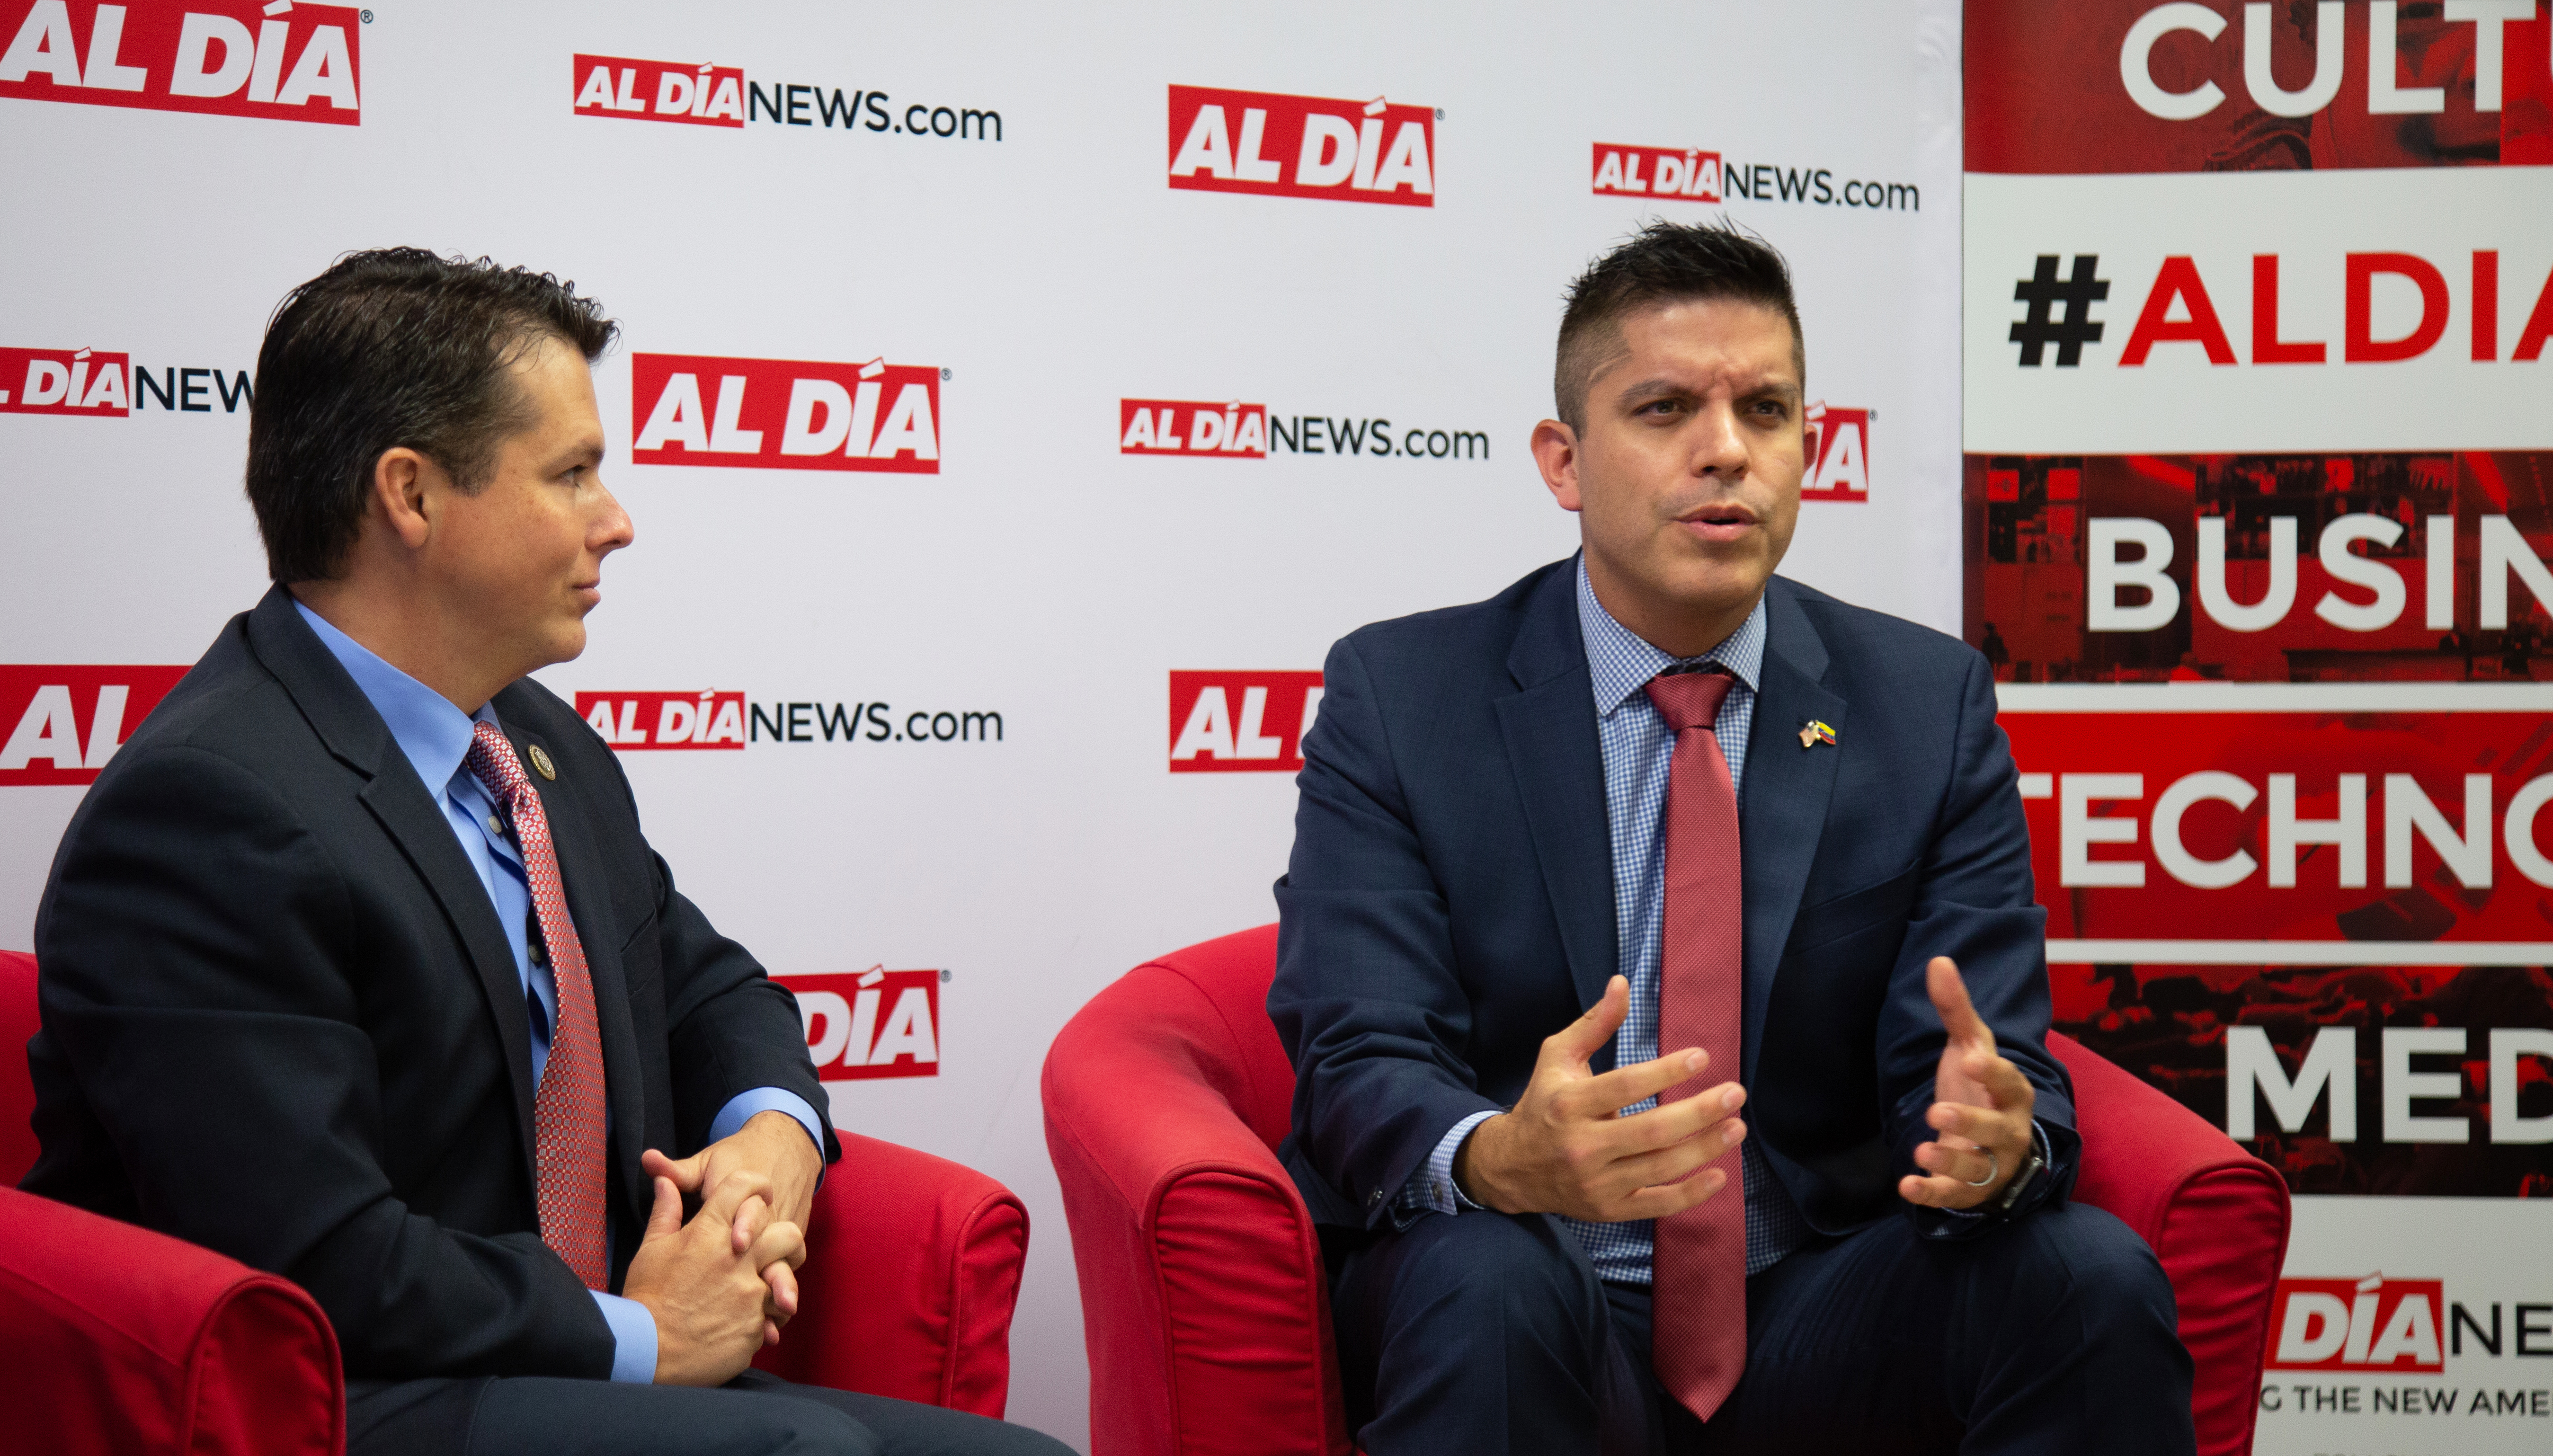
<point>1722,520</point>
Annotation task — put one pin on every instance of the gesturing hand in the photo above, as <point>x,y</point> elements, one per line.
<point>1566,1149</point>
<point>1980,1105</point>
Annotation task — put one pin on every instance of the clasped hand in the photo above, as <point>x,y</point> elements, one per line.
<point>722,1285</point>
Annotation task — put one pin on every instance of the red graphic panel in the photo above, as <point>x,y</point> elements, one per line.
<point>707,719</point>
<point>2135,86</point>
<point>784,414</point>
<point>64,723</point>
<point>88,382</point>
<point>222,58</point>
<point>1302,147</point>
<point>2364,824</point>
<point>1191,427</point>
<point>660,91</point>
<point>1241,721</point>
<point>869,1024</point>
<point>2419,566</point>
<point>1686,173</point>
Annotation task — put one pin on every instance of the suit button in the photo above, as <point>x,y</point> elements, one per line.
<point>1377,1198</point>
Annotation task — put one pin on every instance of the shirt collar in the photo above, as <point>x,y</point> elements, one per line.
<point>434,735</point>
<point>1620,661</point>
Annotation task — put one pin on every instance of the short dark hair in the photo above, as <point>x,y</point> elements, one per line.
<point>1662,263</point>
<point>391,347</point>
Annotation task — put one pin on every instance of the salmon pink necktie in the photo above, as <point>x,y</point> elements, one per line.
<point>1700,1273</point>
<point>567,1111</point>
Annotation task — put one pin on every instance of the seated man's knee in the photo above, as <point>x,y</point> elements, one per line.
<point>1480,1264</point>
<point>2085,1256</point>
<point>810,1428</point>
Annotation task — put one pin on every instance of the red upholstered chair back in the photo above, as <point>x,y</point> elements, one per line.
<point>1228,1031</point>
<point>1203,1298</point>
<point>17,1022</point>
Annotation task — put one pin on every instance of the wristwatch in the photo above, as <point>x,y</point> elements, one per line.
<point>2029,1169</point>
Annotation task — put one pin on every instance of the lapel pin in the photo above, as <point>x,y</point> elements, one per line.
<point>541,759</point>
<point>1814,733</point>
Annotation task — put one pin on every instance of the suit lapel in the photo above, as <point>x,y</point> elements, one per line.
<point>337,710</point>
<point>598,930</point>
<point>1559,765</point>
<point>1785,800</point>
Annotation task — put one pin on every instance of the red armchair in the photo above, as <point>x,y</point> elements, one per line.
<point>114,1339</point>
<point>1202,1294</point>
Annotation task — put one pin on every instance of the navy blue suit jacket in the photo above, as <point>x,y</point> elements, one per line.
<point>282,1020</point>
<point>1450,900</point>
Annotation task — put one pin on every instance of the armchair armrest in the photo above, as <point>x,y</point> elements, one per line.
<point>1202,1296</point>
<point>114,1339</point>
<point>912,1272</point>
<point>2214,1214</point>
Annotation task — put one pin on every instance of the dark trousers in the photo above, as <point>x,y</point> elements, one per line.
<point>754,1414</point>
<point>1481,1332</point>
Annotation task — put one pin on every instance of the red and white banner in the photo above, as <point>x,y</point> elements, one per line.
<point>2257,521</point>
<point>222,58</point>
<point>1205,419</point>
<point>866,1025</point>
<point>784,414</point>
<point>64,723</point>
<point>1302,147</point>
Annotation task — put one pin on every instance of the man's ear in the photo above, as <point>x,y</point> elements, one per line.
<point>1555,451</point>
<point>403,482</point>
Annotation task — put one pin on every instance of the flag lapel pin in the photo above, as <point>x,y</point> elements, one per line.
<point>1814,733</point>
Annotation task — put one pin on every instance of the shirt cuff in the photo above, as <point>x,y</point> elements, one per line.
<point>741,1107</point>
<point>1432,1189</point>
<point>633,1338</point>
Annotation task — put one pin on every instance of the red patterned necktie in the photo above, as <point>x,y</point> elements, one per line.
<point>567,1111</point>
<point>1700,1276</point>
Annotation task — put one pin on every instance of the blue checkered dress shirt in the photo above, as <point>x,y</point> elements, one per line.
<point>1637,750</point>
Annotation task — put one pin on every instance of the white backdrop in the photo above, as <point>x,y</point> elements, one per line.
<point>1040,573</point>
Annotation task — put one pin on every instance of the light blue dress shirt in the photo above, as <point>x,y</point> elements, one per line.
<point>435,736</point>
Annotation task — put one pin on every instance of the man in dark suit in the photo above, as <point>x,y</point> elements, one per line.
<point>1656,799</point>
<point>357,968</point>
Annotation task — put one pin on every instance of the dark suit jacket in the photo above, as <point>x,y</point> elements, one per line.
<point>1450,902</point>
<point>280,1019</point>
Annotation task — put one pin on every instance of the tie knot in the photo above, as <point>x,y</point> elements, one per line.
<point>493,760</point>
<point>1690,699</point>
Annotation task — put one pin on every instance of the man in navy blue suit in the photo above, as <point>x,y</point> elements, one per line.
<point>1656,800</point>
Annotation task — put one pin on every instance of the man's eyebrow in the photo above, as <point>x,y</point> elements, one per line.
<point>1659,387</point>
<point>587,451</point>
<point>1648,388</point>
